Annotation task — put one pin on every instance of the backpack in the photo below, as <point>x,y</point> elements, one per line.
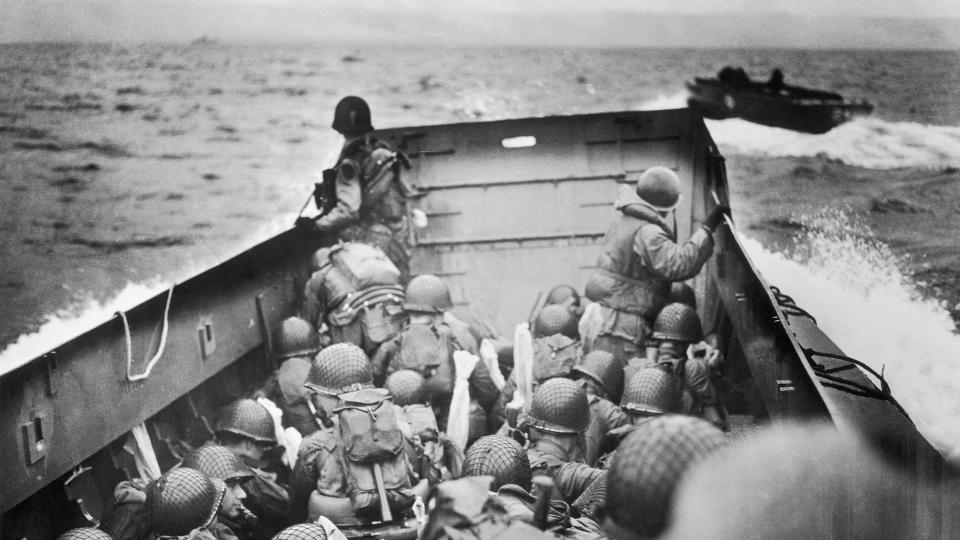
<point>554,356</point>
<point>429,351</point>
<point>369,425</point>
<point>364,265</point>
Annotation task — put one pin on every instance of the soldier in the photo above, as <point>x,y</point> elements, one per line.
<point>435,452</point>
<point>427,346</point>
<point>652,391</point>
<point>676,328</point>
<point>646,469</point>
<point>640,260</point>
<point>355,294</point>
<point>303,531</point>
<point>602,377</point>
<point>184,503</point>
<point>323,478</point>
<point>84,533</point>
<point>297,341</point>
<point>500,457</point>
<point>556,419</point>
<point>246,428</point>
<point>365,199</point>
<point>216,462</point>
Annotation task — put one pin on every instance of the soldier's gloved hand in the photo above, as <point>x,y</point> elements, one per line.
<point>716,217</point>
<point>306,224</point>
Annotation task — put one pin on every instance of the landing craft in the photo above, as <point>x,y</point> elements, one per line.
<point>733,95</point>
<point>515,206</point>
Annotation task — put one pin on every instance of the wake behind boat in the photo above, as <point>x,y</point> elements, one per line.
<point>733,95</point>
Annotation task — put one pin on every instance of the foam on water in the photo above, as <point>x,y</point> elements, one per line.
<point>864,142</point>
<point>854,287</point>
<point>64,325</point>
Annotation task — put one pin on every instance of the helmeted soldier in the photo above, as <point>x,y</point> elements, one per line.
<point>646,470</point>
<point>302,531</point>
<point>640,259</point>
<point>500,457</point>
<point>676,328</point>
<point>296,344</point>
<point>602,377</point>
<point>681,293</point>
<point>217,462</point>
<point>322,476</point>
<point>364,197</point>
<point>355,295</point>
<point>427,346</point>
<point>246,428</point>
<point>652,391</point>
<point>84,533</point>
<point>555,319</point>
<point>183,501</point>
<point>556,419</point>
<point>408,391</point>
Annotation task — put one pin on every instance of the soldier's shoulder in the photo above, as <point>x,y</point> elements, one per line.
<point>323,439</point>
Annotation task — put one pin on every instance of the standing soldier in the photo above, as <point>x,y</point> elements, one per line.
<point>427,346</point>
<point>641,258</point>
<point>246,428</point>
<point>364,198</point>
<point>558,415</point>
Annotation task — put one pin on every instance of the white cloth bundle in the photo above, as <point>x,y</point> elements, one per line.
<point>458,420</point>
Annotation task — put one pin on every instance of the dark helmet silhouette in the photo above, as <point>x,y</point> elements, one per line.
<point>678,322</point>
<point>500,457</point>
<point>247,418</point>
<point>352,116</point>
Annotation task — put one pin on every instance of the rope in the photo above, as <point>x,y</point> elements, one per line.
<point>163,341</point>
<point>789,306</point>
<point>850,387</point>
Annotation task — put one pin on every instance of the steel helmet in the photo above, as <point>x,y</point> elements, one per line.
<point>651,391</point>
<point>559,406</point>
<point>678,322</point>
<point>182,500</point>
<point>296,337</point>
<point>218,462</point>
<point>646,469</point>
<point>555,319</point>
<point>247,418</point>
<point>84,533</point>
<point>605,370</point>
<point>682,293</point>
<point>500,457</point>
<point>427,293</point>
<point>561,294</point>
<point>352,116</point>
<point>659,187</point>
<point>340,368</point>
<point>591,500</point>
<point>302,531</point>
<point>407,387</point>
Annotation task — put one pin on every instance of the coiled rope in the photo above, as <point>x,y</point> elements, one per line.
<point>163,341</point>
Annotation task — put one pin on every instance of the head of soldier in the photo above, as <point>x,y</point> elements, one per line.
<point>558,414</point>
<point>351,118</point>
<point>337,369</point>
<point>676,327</point>
<point>600,374</point>
<point>646,469</point>
<point>500,457</point>
<point>555,319</point>
<point>659,187</point>
<point>564,295</point>
<point>246,428</point>
<point>651,392</point>
<point>84,533</point>
<point>220,463</point>
<point>302,531</point>
<point>426,299</point>
<point>182,500</point>
<point>296,337</point>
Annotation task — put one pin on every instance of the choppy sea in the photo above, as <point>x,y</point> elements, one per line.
<point>124,168</point>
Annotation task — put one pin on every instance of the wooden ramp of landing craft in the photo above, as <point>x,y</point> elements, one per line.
<point>515,207</point>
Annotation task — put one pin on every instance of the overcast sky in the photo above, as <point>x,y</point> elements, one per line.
<point>484,21</point>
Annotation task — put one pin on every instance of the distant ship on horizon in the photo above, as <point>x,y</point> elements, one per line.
<point>205,40</point>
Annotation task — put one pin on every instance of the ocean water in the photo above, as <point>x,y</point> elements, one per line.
<point>125,168</point>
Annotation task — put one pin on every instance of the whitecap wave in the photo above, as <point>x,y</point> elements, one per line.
<point>853,285</point>
<point>65,324</point>
<point>675,101</point>
<point>866,142</point>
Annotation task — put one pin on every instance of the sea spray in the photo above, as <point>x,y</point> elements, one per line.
<point>867,142</point>
<point>853,285</point>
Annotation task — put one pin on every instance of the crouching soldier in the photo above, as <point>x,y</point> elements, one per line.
<point>427,346</point>
<point>356,293</point>
<point>676,328</point>
<point>216,462</point>
<point>357,469</point>
<point>297,343</point>
<point>601,376</point>
<point>246,429</point>
<point>556,419</point>
<point>185,503</point>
